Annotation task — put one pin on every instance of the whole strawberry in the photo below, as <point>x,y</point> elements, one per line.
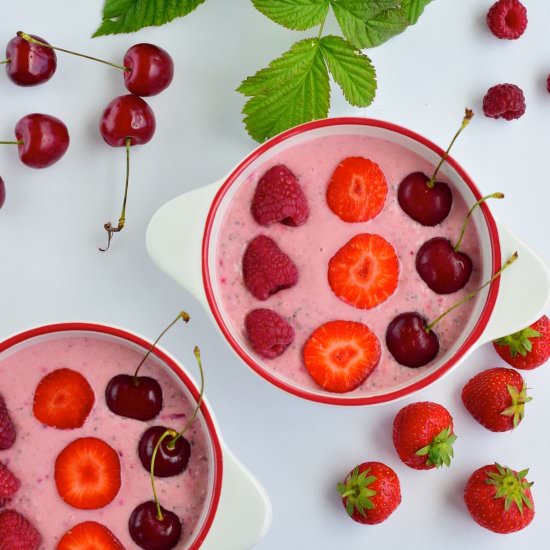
<point>370,493</point>
<point>496,398</point>
<point>7,429</point>
<point>17,533</point>
<point>527,349</point>
<point>500,499</point>
<point>9,484</point>
<point>423,435</point>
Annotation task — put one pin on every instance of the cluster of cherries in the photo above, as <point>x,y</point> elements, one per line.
<point>441,265</point>
<point>127,121</point>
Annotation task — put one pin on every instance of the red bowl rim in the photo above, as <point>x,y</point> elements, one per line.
<point>337,399</point>
<point>176,369</point>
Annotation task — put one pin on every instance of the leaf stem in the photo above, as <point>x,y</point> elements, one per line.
<point>33,40</point>
<point>321,27</point>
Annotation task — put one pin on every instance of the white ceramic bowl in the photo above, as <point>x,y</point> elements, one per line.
<point>238,511</point>
<point>182,238</point>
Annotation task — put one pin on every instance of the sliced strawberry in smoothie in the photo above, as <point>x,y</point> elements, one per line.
<point>89,535</point>
<point>365,271</point>
<point>63,399</point>
<point>357,190</point>
<point>339,355</point>
<point>87,473</point>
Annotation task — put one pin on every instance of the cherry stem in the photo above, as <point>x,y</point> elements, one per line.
<point>181,315</point>
<point>5,61</point>
<point>497,195</point>
<point>468,115</point>
<point>122,220</point>
<point>19,142</point>
<point>175,436</point>
<point>32,40</point>
<point>472,294</point>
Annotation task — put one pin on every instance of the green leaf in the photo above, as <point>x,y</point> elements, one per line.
<point>368,24</point>
<point>121,16</point>
<point>298,15</point>
<point>292,90</point>
<point>413,9</point>
<point>351,70</point>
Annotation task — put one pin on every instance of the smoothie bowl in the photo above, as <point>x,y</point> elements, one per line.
<point>311,258</point>
<point>58,459</point>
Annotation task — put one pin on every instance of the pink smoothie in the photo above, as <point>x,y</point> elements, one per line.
<point>310,303</point>
<point>37,446</point>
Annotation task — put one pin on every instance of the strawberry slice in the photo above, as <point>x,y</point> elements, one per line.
<point>87,473</point>
<point>340,355</point>
<point>365,271</point>
<point>89,535</point>
<point>357,190</point>
<point>63,399</point>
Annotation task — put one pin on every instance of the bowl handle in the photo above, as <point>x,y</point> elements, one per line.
<point>244,510</point>
<point>524,291</point>
<point>174,238</point>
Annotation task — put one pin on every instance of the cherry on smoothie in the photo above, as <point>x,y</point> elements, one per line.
<point>41,140</point>
<point>172,456</point>
<point>138,397</point>
<point>441,265</point>
<point>28,63</point>
<point>151,532</point>
<point>127,121</point>
<point>147,69</point>
<point>411,339</point>
<point>2,193</point>
<point>423,198</point>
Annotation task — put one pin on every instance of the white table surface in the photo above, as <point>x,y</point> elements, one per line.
<point>51,226</point>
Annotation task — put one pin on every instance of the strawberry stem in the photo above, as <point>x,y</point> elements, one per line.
<point>32,40</point>
<point>497,195</point>
<point>181,315</point>
<point>468,115</point>
<point>472,294</point>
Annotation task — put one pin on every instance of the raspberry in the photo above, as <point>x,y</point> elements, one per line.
<point>9,484</point>
<point>268,333</point>
<point>504,101</point>
<point>17,533</point>
<point>7,429</point>
<point>279,198</point>
<point>507,19</point>
<point>267,269</point>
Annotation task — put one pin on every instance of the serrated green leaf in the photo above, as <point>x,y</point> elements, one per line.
<point>351,70</point>
<point>122,16</point>
<point>292,90</point>
<point>294,14</point>
<point>413,9</point>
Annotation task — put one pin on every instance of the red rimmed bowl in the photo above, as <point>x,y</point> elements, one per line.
<point>183,236</point>
<point>220,520</point>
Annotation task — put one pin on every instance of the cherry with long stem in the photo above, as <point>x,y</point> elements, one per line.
<point>33,40</point>
<point>176,435</point>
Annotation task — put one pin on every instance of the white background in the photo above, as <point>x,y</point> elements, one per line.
<point>51,226</point>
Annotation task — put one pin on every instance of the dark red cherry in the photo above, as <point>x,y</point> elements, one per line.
<point>138,397</point>
<point>43,140</point>
<point>427,205</point>
<point>442,268</point>
<point>151,69</point>
<point>127,116</point>
<point>150,532</point>
<point>409,341</point>
<point>2,193</point>
<point>29,64</point>
<point>169,460</point>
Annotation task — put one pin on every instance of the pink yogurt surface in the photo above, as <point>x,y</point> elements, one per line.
<point>310,303</point>
<point>33,457</point>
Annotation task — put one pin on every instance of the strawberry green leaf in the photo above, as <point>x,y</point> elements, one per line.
<point>413,9</point>
<point>294,14</point>
<point>351,70</point>
<point>440,451</point>
<point>368,24</point>
<point>519,342</point>
<point>122,16</point>
<point>292,90</point>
